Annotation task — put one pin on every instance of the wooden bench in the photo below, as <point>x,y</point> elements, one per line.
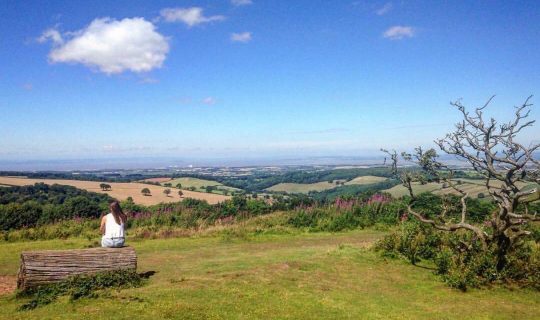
<point>47,266</point>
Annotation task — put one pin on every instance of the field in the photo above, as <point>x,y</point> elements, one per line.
<point>365,180</point>
<point>200,184</point>
<point>302,187</point>
<point>472,187</point>
<point>294,276</point>
<point>323,185</point>
<point>122,190</point>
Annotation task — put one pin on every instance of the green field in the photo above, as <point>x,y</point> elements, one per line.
<point>200,184</point>
<point>471,186</point>
<point>400,191</point>
<point>294,276</point>
<point>323,185</point>
<point>365,180</point>
<point>302,187</point>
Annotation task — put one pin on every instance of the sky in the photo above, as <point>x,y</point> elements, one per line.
<point>254,78</point>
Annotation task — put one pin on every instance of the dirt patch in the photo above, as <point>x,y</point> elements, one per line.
<point>8,284</point>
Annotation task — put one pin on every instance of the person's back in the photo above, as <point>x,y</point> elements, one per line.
<point>112,227</point>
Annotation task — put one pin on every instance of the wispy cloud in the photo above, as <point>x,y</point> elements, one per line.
<point>110,46</point>
<point>27,86</point>
<point>387,7</point>
<point>241,37</point>
<point>239,3</point>
<point>190,16</point>
<point>399,32</point>
<point>209,101</point>
<point>51,34</point>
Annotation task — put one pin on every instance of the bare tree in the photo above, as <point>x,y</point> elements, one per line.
<point>492,151</point>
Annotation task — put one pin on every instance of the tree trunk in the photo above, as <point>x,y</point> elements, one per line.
<point>42,267</point>
<point>503,245</point>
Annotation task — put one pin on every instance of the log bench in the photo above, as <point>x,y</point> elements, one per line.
<point>47,266</point>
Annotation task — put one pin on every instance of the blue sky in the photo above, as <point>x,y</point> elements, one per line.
<point>203,79</point>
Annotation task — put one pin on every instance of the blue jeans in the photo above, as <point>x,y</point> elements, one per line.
<point>112,242</point>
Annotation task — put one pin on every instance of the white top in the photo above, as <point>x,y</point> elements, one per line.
<point>112,229</point>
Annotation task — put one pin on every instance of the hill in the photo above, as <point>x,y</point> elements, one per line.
<point>121,190</point>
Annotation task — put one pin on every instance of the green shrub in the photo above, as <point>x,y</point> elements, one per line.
<point>461,261</point>
<point>79,286</point>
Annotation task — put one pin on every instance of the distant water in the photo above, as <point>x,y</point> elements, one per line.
<point>155,163</point>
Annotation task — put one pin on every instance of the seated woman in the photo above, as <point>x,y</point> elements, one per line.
<point>112,227</point>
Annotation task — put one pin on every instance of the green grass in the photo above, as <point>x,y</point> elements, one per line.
<point>365,180</point>
<point>200,184</point>
<point>302,187</point>
<point>300,276</point>
<point>322,185</point>
<point>472,186</point>
<point>400,191</point>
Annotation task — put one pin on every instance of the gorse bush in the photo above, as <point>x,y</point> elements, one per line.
<point>79,286</point>
<point>460,261</point>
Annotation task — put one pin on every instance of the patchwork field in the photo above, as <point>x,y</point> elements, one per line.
<point>301,276</point>
<point>365,180</point>
<point>200,184</point>
<point>323,185</point>
<point>302,187</point>
<point>122,191</point>
<point>471,186</point>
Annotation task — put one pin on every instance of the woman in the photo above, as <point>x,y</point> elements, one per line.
<point>112,227</point>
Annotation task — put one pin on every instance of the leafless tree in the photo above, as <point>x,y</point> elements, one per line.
<point>493,152</point>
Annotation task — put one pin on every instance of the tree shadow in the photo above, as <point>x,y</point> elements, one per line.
<point>147,274</point>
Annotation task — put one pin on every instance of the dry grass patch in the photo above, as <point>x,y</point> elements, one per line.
<point>121,191</point>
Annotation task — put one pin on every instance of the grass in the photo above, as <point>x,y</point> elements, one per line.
<point>294,276</point>
<point>323,185</point>
<point>472,186</point>
<point>302,187</point>
<point>200,184</point>
<point>365,180</point>
<point>400,191</point>
<point>121,191</point>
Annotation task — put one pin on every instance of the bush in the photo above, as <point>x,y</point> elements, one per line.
<point>460,260</point>
<point>79,286</point>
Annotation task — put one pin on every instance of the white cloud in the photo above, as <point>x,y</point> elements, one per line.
<point>51,34</point>
<point>241,37</point>
<point>399,32</point>
<point>114,46</point>
<point>190,16</point>
<point>241,2</point>
<point>209,101</point>
<point>384,9</point>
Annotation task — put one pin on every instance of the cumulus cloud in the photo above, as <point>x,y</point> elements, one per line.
<point>241,37</point>
<point>113,46</point>
<point>241,2</point>
<point>190,16</point>
<point>209,101</point>
<point>399,32</point>
<point>384,9</point>
<point>51,34</point>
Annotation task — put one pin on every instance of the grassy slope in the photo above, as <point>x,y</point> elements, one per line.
<point>302,187</point>
<point>121,190</point>
<point>471,186</point>
<point>200,184</point>
<point>365,180</point>
<point>315,276</point>
<point>323,185</point>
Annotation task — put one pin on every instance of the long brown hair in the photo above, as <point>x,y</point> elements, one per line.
<point>117,212</point>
